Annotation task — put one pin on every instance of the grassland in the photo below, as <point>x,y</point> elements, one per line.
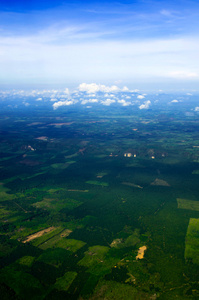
<point>63,283</point>
<point>192,241</point>
<point>188,204</point>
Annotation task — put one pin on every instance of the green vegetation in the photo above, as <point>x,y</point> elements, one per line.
<point>53,257</point>
<point>192,241</point>
<point>114,290</point>
<point>70,244</point>
<point>4,196</point>
<point>188,204</point>
<point>95,182</point>
<point>24,284</point>
<point>130,241</point>
<point>61,240</point>
<point>94,256</point>
<point>195,172</point>
<point>26,261</point>
<point>42,240</point>
<point>57,205</point>
<point>63,283</point>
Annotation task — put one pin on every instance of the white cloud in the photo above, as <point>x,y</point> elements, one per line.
<point>108,102</point>
<point>62,103</point>
<point>140,97</point>
<point>91,88</point>
<point>124,103</point>
<point>39,99</point>
<point>66,91</point>
<point>145,105</point>
<point>183,75</point>
<point>174,101</point>
<point>196,108</point>
<point>125,89</point>
<point>53,99</point>
<point>89,101</point>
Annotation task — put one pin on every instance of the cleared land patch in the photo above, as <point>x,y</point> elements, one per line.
<point>130,241</point>
<point>101,174</point>
<point>141,252</point>
<point>50,239</point>
<point>38,234</point>
<point>160,182</point>
<point>57,205</point>
<point>59,242</point>
<point>192,241</point>
<point>133,185</point>
<point>188,204</point>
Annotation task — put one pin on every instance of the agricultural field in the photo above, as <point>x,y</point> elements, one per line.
<point>99,204</point>
<point>192,241</point>
<point>188,204</point>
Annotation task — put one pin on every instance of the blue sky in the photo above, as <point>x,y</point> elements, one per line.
<point>137,43</point>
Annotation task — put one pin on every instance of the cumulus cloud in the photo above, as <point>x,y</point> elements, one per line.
<point>124,103</point>
<point>125,89</point>
<point>39,99</point>
<point>91,88</point>
<point>196,108</point>
<point>145,105</point>
<point>140,97</point>
<point>62,103</point>
<point>89,101</point>
<point>66,91</point>
<point>108,102</point>
<point>174,101</point>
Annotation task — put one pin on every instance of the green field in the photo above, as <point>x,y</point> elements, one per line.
<point>188,204</point>
<point>192,241</point>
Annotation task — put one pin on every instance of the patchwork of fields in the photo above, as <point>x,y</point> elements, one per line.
<point>80,219</point>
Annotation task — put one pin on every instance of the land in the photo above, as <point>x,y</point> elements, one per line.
<point>82,220</point>
<point>38,234</point>
<point>192,241</point>
<point>188,204</point>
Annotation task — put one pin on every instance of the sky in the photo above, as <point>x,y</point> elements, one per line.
<point>143,43</point>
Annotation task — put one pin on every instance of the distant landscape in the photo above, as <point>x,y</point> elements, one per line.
<point>99,198</point>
